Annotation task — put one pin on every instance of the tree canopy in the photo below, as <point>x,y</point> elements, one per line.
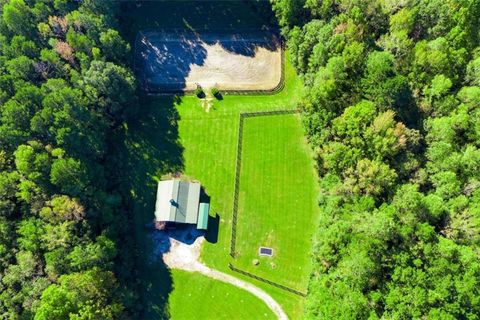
<point>65,85</point>
<point>391,109</point>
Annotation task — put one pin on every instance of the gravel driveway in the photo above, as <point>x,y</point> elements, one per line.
<point>180,249</point>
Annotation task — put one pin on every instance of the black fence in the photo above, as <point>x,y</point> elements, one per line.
<point>277,285</point>
<point>238,167</point>
<point>279,87</point>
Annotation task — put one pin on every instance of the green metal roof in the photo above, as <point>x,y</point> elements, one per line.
<point>203,216</point>
<point>177,201</point>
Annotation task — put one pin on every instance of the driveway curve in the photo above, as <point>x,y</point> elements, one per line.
<point>186,257</point>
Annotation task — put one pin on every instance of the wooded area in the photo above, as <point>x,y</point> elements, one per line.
<point>64,89</point>
<point>391,107</point>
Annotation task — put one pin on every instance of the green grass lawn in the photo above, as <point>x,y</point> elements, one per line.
<point>209,142</point>
<point>198,297</point>
<point>277,200</point>
<point>174,134</point>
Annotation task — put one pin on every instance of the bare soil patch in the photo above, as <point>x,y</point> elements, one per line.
<point>169,61</point>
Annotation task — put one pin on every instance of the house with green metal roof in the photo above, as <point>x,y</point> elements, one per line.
<point>178,201</point>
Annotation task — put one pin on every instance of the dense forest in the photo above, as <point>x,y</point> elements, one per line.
<point>64,91</point>
<point>392,109</point>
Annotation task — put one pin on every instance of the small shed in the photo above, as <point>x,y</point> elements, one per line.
<point>179,202</point>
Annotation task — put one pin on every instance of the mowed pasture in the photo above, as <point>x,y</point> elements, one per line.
<point>209,143</point>
<point>175,134</point>
<point>198,297</point>
<point>277,206</point>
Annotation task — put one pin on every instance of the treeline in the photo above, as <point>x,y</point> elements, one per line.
<point>392,109</point>
<point>64,89</point>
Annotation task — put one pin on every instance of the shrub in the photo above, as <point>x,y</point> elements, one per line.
<point>199,92</point>
<point>215,92</point>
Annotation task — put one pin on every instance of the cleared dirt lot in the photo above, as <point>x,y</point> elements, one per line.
<point>169,61</point>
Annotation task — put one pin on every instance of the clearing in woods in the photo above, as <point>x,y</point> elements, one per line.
<point>175,134</point>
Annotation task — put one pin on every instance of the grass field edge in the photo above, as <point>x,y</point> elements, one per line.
<point>238,166</point>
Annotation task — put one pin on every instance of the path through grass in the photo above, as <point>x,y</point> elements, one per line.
<point>176,134</point>
<point>198,297</point>
<point>172,134</point>
<point>209,142</point>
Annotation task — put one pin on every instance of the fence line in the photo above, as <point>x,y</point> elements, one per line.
<point>238,166</point>
<point>279,87</point>
<point>166,92</point>
<point>280,286</point>
<point>236,188</point>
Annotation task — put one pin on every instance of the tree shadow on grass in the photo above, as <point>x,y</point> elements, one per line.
<point>149,147</point>
<point>155,285</point>
<point>153,139</point>
<point>164,58</point>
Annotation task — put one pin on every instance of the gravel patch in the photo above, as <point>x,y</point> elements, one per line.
<point>180,249</point>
